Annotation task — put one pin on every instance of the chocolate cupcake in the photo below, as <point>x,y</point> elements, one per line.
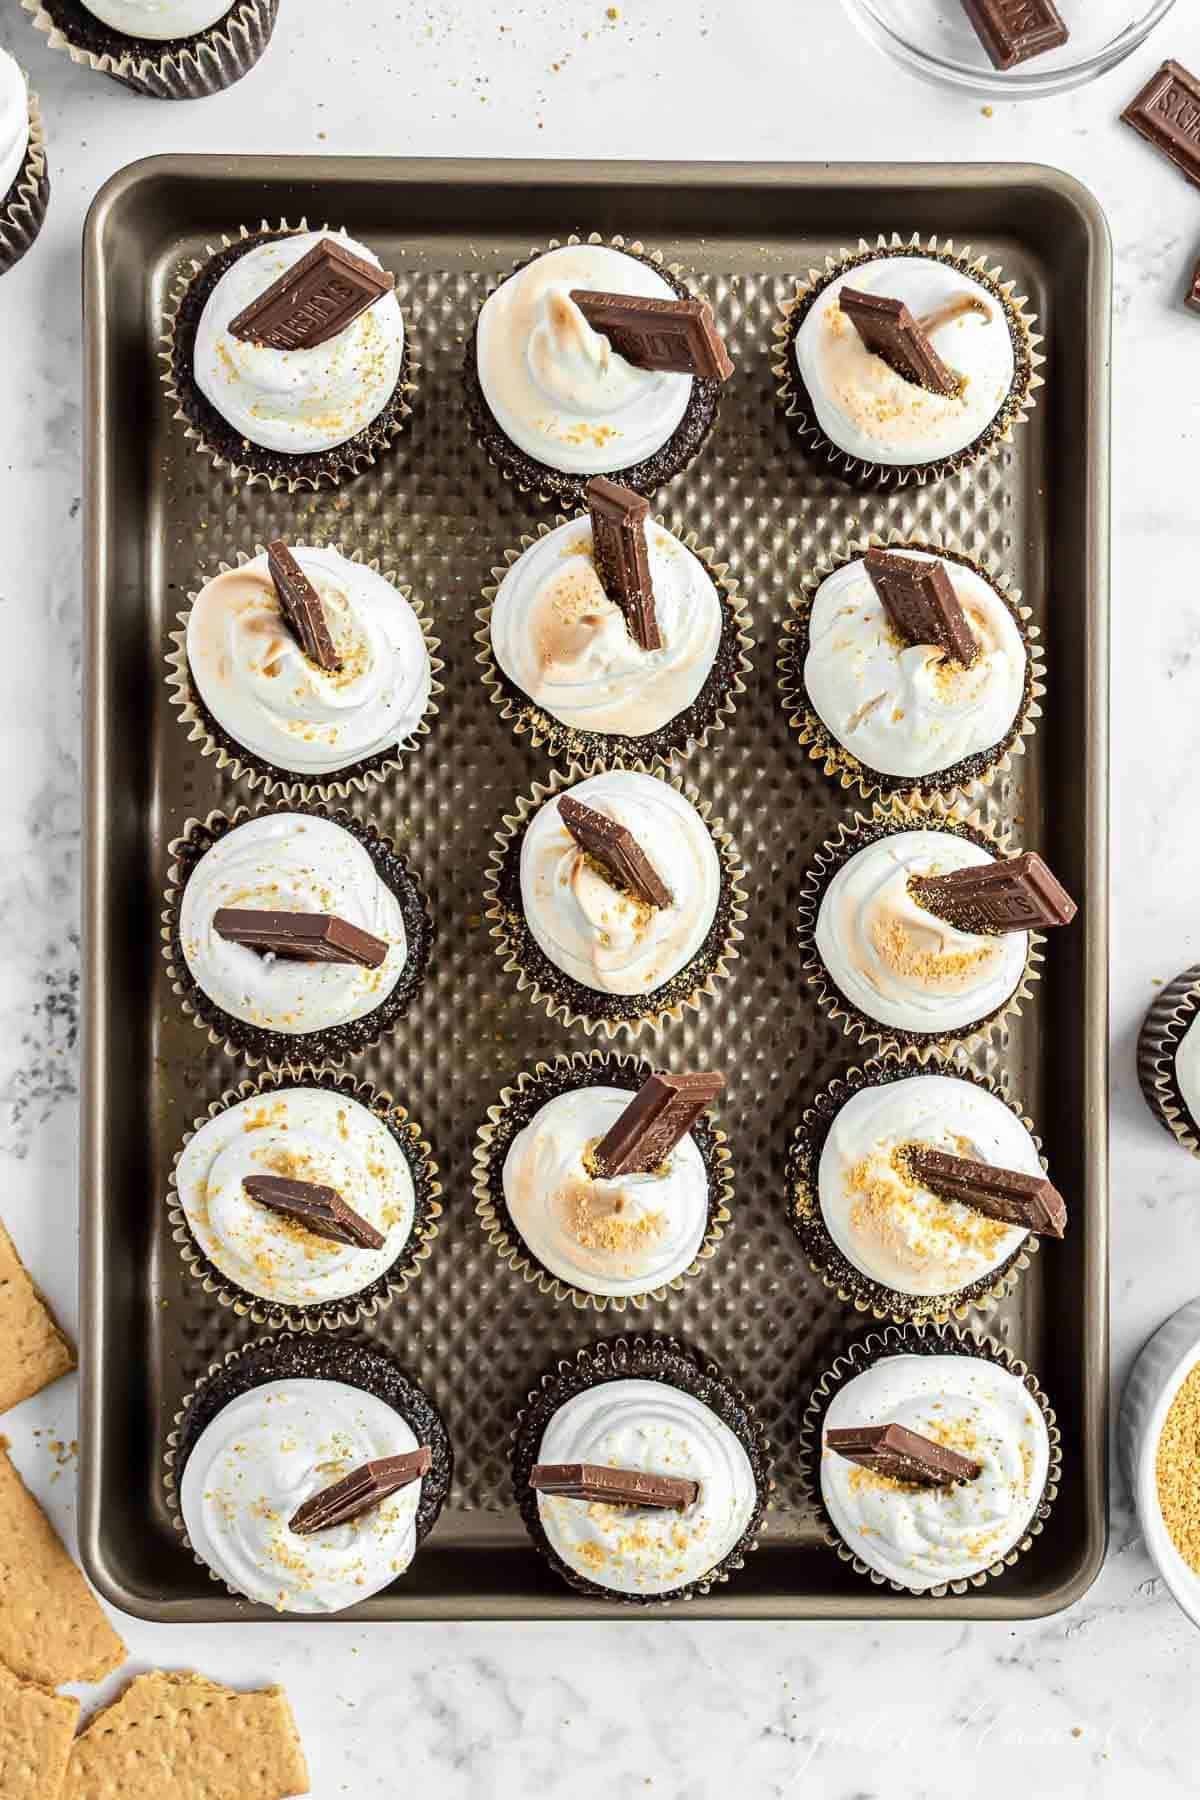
<point>309,416</point>
<point>268,1435</point>
<point>885,419</point>
<point>167,49</point>
<point>322,997</point>
<point>24,178</point>
<point>584,943</point>
<point>1168,1058</point>
<point>646,1407</point>
<point>553,402</point>
<point>962,1395</point>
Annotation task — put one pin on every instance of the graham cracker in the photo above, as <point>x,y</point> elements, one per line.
<point>192,1739</point>
<point>52,1627</point>
<point>33,1351</point>
<point>36,1732</point>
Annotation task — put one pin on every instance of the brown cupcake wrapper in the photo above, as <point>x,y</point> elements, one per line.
<point>256,1044</point>
<point>23,207</point>
<point>319,1315</point>
<point>517,1104</point>
<point>795,401</point>
<point>187,68</point>
<point>887,818</point>
<point>920,1340</point>
<point>565,999</point>
<point>211,435</point>
<point>554,487</point>
<point>967,778</point>
<point>643,1359</point>
<point>1171,1012</point>
<point>255,771</point>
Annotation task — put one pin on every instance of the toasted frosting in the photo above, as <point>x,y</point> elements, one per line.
<point>264,691</point>
<point>655,1428</point>
<point>304,1134</point>
<point>556,387</point>
<point>255,1465</point>
<point>886,1223</point>
<point>289,862</point>
<point>598,934</point>
<point>920,1537</point>
<point>14,122</point>
<point>899,963</point>
<point>907,709</point>
<point>868,410</point>
<point>296,400</point>
<point>1187,1068</point>
<point>562,641</point>
<point>159,19</point>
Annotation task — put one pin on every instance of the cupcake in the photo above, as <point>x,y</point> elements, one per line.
<point>255,699</point>
<point>1169,1058</point>
<point>24,178</point>
<point>626,917</point>
<point>874,411</point>
<point>300,417</point>
<point>964,1500</point>
<point>342,1221</point>
<point>281,1474</point>
<point>553,401</point>
<point>168,49</point>
<point>579,1227</point>
<point>625,1415</point>
<point>293,936</point>
<point>891,708</point>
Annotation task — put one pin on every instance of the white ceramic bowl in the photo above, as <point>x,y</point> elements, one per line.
<point>1171,1354</point>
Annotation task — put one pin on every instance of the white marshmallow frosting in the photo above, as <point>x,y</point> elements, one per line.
<point>14,122</point>
<point>159,19</point>
<point>1187,1068</point>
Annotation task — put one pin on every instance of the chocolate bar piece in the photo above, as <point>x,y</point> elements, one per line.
<point>1018,893</point>
<point>920,601</point>
<point>618,518</point>
<point>314,300</point>
<point>889,329</point>
<point>360,1491</point>
<point>662,1111</point>
<point>318,1208</point>
<point>614,1487</point>
<point>668,335</point>
<point>1167,114</point>
<point>1192,297</point>
<point>1012,31</point>
<point>616,849</point>
<point>1029,1200</point>
<point>300,604</point>
<point>903,1454</point>
<point>300,936</point>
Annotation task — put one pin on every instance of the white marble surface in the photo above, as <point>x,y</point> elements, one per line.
<point>1092,1701</point>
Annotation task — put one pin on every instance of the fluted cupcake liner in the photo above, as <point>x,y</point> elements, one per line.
<point>209,434</point>
<point>255,1043</point>
<point>518,1104</point>
<point>640,1359</point>
<point>797,405</point>
<point>566,999</point>
<point>256,771</point>
<point>553,487</point>
<point>186,68</point>
<point>23,207</point>
<point>969,775</point>
<point>920,1340</point>
<point>319,1315</point>
<point>1173,1010</point>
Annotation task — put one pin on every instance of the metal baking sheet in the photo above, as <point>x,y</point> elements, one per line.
<point>159,521</point>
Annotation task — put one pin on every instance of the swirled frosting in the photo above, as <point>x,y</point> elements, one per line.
<point>561,640</point>
<point>272,699</point>
<point>598,934</point>
<point>303,1134</point>
<point>556,387</point>
<point>655,1428</point>
<point>289,862</point>
<point>159,19</point>
<point>14,122</point>
<point>899,963</point>
<point>296,401</point>
<point>622,1235</point>
<point>920,1537</point>
<point>864,407</point>
<point>261,1458</point>
<point>882,1219</point>
<point>1187,1068</point>
<point>907,709</point>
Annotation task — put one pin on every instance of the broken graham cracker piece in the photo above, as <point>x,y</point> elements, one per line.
<point>361,1491</point>
<point>318,1208</point>
<point>662,1111</point>
<point>33,1351</point>
<point>1011,31</point>
<point>314,300</point>
<point>52,1627</point>
<point>622,557</point>
<point>902,1454</point>
<point>596,1482</point>
<point>921,604</point>
<point>181,1737</point>
<point>1018,1199</point>
<point>300,604</point>
<point>616,849</point>
<point>300,936</point>
<point>37,1729</point>
<point>671,336</point>
<point>888,329</point>
<point>1016,893</point>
